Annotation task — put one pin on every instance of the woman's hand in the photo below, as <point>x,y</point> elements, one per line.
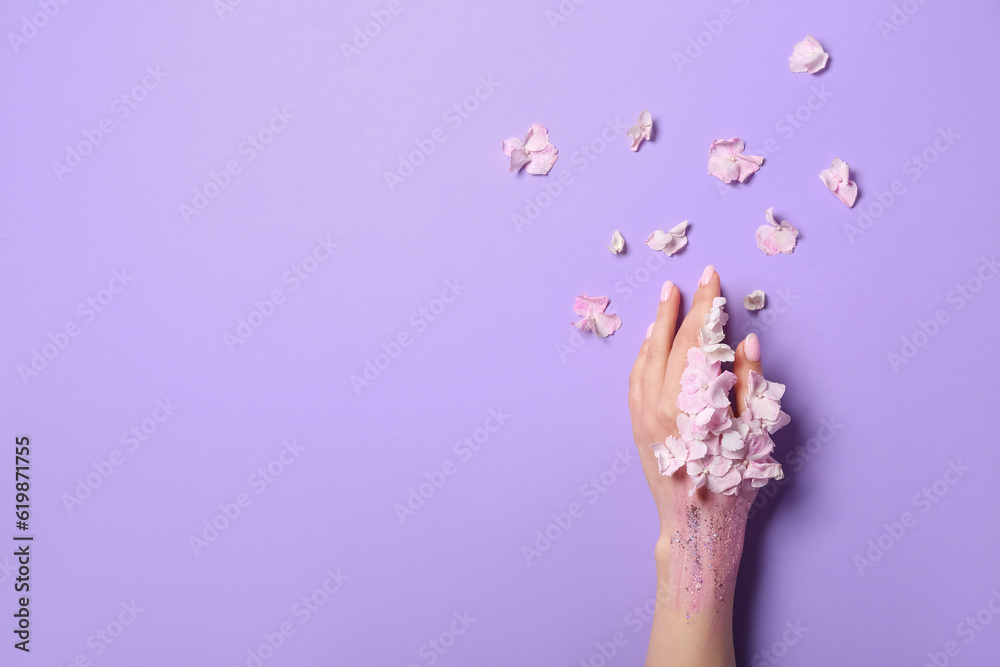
<point>655,381</point>
<point>701,535</point>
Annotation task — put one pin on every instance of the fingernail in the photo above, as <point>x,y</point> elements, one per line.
<point>707,275</point>
<point>751,348</point>
<point>649,331</point>
<point>668,288</point>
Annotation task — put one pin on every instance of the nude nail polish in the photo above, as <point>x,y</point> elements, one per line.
<point>707,275</point>
<point>668,287</point>
<point>649,331</point>
<point>751,347</point>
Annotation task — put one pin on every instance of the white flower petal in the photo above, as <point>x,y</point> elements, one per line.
<point>617,242</point>
<point>754,300</point>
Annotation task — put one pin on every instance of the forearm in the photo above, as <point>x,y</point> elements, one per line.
<point>696,562</point>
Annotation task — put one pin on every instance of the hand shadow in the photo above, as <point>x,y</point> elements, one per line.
<point>773,497</point>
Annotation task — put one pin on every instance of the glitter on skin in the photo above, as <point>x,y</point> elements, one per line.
<point>707,550</point>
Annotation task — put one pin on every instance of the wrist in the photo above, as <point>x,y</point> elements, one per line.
<point>698,552</point>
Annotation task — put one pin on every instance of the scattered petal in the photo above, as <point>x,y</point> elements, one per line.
<point>617,242</point>
<point>591,309</point>
<point>773,238</point>
<point>727,162</point>
<point>808,56</point>
<point>838,181</point>
<point>754,300</point>
<point>642,130</point>
<point>536,151</point>
<point>669,242</point>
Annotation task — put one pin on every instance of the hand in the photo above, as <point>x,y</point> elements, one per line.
<point>655,383</point>
<point>701,535</point>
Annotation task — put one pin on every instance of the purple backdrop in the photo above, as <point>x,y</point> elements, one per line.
<point>219,309</point>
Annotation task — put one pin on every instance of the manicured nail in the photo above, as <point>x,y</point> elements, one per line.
<point>751,348</point>
<point>707,275</point>
<point>668,288</point>
<point>649,331</point>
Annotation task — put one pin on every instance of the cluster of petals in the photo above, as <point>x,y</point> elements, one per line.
<point>723,454</point>
<point>536,151</point>
<point>591,310</point>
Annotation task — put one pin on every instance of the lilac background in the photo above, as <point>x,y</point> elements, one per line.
<point>505,341</point>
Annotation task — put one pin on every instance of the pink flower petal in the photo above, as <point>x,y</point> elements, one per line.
<point>536,139</point>
<point>592,308</point>
<point>671,454</point>
<point>642,130</point>
<point>728,484</point>
<point>536,151</point>
<point>847,193</point>
<point>518,158</point>
<point>763,402</point>
<point>669,242</point>
<point>727,162</point>
<point>542,161</point>
<point>808,56</point>
<point>509,145</point>
<point>696,449</point>
<point>837,179</point>
<point>773,238</point>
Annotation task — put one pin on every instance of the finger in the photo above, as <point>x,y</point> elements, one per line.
<point>658,345</point>
<point>635,377</point>
<point>747,359</point>
<point>709,287</point>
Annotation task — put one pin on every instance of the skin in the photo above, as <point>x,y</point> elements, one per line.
<point>682,635</point>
